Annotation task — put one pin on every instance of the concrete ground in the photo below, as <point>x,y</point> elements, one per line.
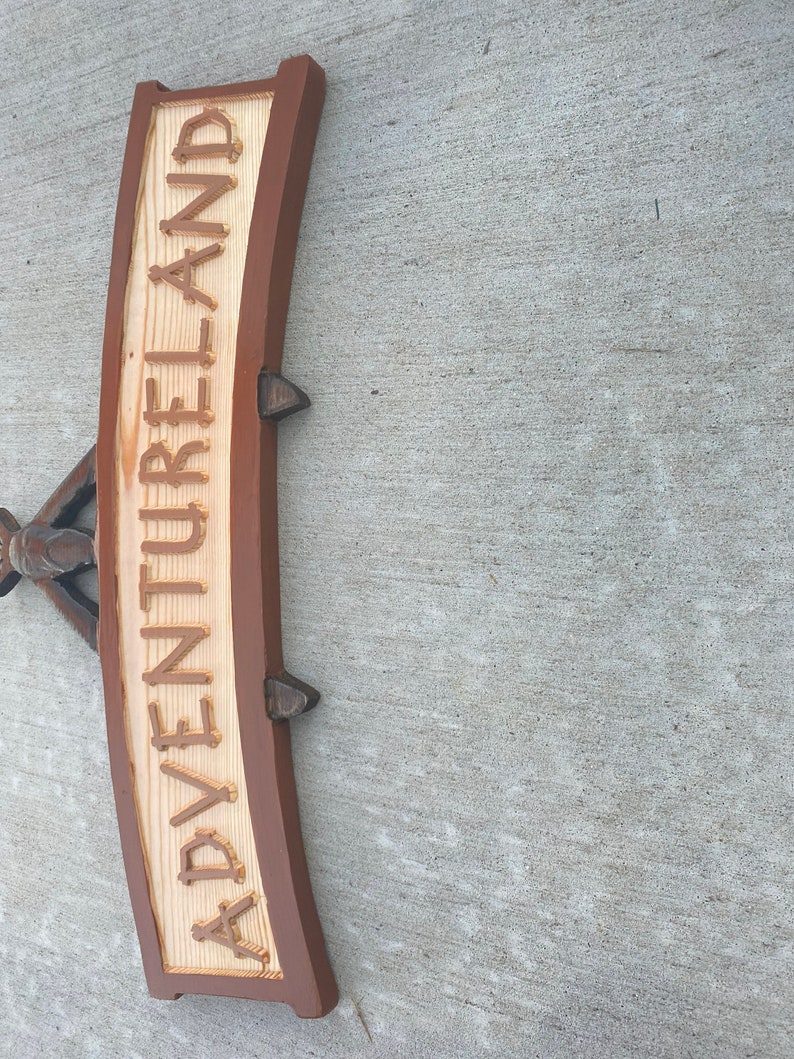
<point>536,528</point>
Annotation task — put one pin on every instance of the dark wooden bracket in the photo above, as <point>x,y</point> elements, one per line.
<point>287,697</point>
<point>278,398</point>
<point>50,551</point>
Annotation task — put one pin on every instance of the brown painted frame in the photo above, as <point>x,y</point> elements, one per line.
<point>308,984</point>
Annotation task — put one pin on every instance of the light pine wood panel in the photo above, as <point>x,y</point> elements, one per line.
<point>159,318</point>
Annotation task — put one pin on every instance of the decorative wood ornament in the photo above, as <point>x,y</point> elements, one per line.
<point>51,552</point>
<point>189,625</point>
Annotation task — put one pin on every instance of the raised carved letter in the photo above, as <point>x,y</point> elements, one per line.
<point>203,355</point>
<point>193,513</point>
<point>214,792</point>
<point>182,736</point>
<point>207,838</point>
<point>183,223</point>
<point>148,587</point>
<point>189,636</point>
<point>176,412</point>
<point>173,471</point>
<point>223,929</point>
<point>179,274</point>
<point>231,148</point>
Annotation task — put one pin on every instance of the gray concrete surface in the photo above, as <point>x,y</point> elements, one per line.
<point>536,528</point>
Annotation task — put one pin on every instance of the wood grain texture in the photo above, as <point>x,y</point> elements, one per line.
<point>542,575</point>
<point>158,318</point>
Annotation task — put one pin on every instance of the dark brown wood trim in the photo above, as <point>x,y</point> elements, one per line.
<point>307,984</point>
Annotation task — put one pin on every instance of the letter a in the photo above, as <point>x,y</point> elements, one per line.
<point>179,274</point>
<point>224,931</point>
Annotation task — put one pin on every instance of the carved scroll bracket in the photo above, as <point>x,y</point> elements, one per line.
<point>51,552</point>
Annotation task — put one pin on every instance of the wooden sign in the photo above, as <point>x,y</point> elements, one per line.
<point>187,550</point>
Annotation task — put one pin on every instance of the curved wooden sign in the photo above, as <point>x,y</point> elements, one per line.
<point>189,620</point>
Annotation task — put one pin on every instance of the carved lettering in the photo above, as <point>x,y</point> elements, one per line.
<point>223,929</point>
<point>149,587</point>
<point>183,222</point>
<point>182,736</point>
<point>207,838</point>
<point>202,356</point>
<point>164,672</point>
<point>179,274</point>
<point>230,148</point>
<point>176,413</point>
<point>193,513</point>
<point>176,388</point>
<point>173,471</point>
<point>214,792</point>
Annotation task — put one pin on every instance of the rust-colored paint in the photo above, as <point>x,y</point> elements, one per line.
<point>307,983</point>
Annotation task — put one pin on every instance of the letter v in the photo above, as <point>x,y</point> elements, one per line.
<point>214,792</point>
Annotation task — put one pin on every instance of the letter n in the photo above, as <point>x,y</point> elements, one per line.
<point>184,222</point>
<point>164,672</point>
